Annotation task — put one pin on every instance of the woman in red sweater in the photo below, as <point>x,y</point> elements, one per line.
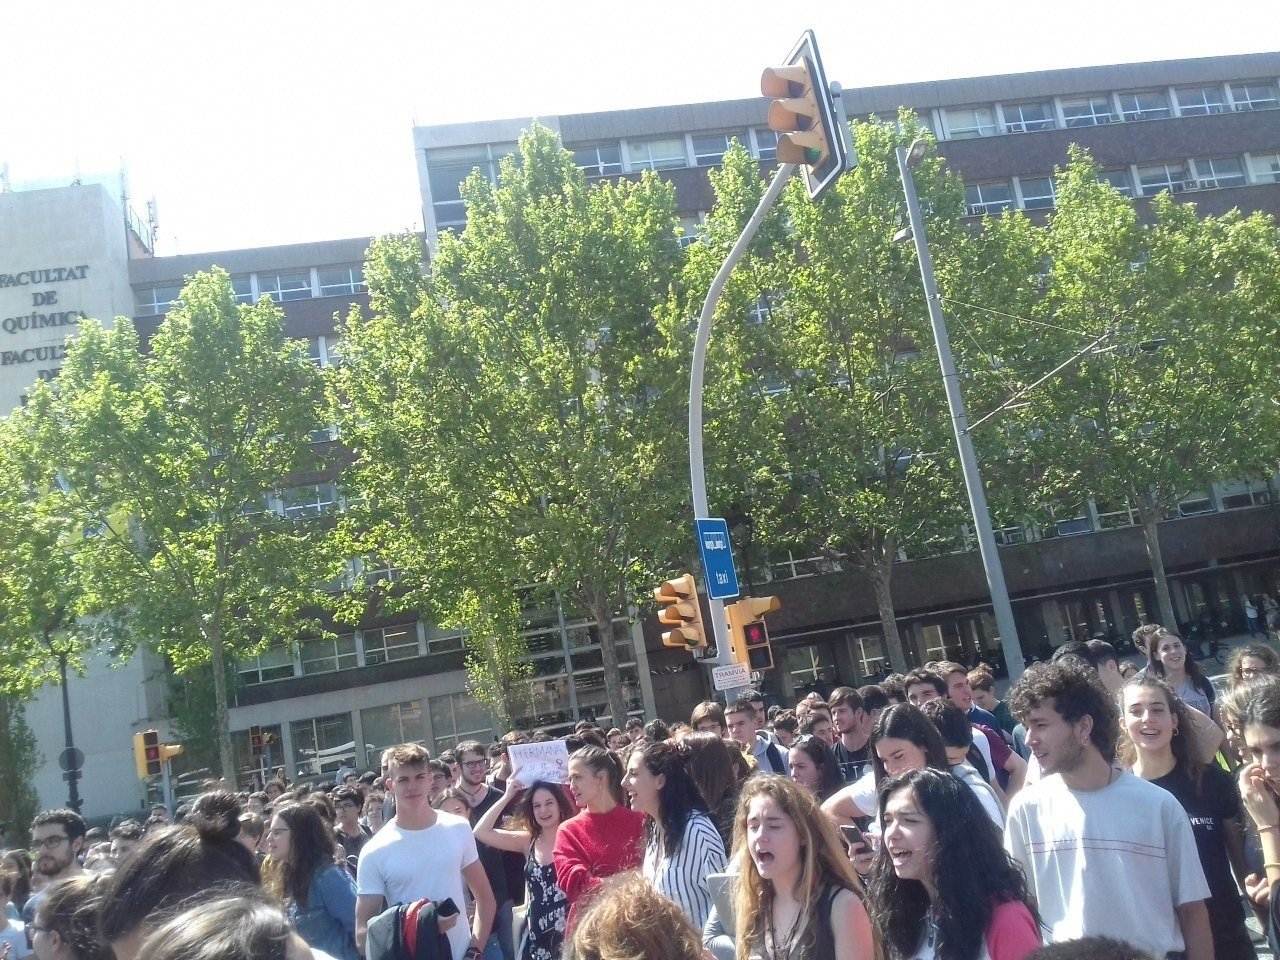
<point>606,837</point>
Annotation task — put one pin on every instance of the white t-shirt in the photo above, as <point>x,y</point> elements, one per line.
<point>405,865</point>
<point>14,935</point>
<point>1114,862</point>
<point>982,790</point>
<point>866,798</point>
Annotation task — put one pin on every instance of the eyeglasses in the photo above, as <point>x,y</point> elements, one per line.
<point>474,763</point>
<point>48,843</point>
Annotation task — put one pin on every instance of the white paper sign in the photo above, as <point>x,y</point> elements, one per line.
<point>531,762</point>
<point>730,676</point>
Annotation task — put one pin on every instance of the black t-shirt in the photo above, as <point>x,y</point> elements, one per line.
<point>1216,802</point>
<point>504,870</point>
<point>351,845</point>
<point>853,763</point>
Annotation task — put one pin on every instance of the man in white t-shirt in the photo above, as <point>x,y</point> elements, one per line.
<point>1105,853</point>
<point>422,852</point>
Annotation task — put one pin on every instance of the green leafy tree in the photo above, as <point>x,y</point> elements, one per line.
<point>1181,389</point>
<point>513,421</point>
<point>169,454</point>
<point>829,415</point>
<point>19,758</point>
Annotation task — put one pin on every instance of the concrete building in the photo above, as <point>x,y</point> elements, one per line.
<point>1206,130</point>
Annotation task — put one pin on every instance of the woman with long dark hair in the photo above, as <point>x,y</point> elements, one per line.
<point>1251,662</point>
<point>813,765</point>
<point>1156,747</point>
<point>797,896</point>
<point>543,808</point>
<point>943,887</point>
<point>1169,660</point>
<point>904,739</point>
<point>682,845</point>
<point>605,836</point>
<point>319,896</point>
<point>718,772</point>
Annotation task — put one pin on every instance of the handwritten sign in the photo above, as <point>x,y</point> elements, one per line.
<point>531,762</point>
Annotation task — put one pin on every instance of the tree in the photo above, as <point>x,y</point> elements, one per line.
<point>1180,390</point>
<point>513,401</point>
<point>838,391</point>
<point>19,757</point>
<point>168,454</point>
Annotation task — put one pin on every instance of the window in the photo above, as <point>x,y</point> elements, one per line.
<point>315,351</point>
<point>1144,105</point>
<point>337,281</point>
<point>1198,502</point>
<point>759,311</point>
<point>1026,117</point>
<point>1265,168</point>
<point>395,723</point>
<point>1037,193</point>
<point>390,643</point>
<point>1254,95</point>
<point>375,568</point>
<point>285,286</point>
<point>662,154</point>
<point>1219,172</point>
<point>965,123</point>
<point>456,717</point>
<point>448,167</point>
<point>309,500</point>
<point>991,197</point>
<point>155,301</point>
<point>1087,111</point>
<point>709,149</point>
<point>599,160</point>
<point>1199,101</point>
<point>766,143</point>
<point>274,663</point>
<point>1245,493</point>
<point>242,286</point>
<point>1120,179</point>
<point>327,654</point>
<point>323,744</point>
<point>1162,176</point>
<point>691,230</point>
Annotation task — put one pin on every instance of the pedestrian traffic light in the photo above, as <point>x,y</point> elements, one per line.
<point>748,635</point>
<point>679,609</point>
<point>802,113</point>
<point>146,753</point>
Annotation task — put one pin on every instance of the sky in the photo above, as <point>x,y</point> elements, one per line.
<point>275,121</point>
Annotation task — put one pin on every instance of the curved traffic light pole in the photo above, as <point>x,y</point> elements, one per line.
<point>697,473</point>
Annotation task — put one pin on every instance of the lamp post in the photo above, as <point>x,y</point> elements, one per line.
<point>907,159</point>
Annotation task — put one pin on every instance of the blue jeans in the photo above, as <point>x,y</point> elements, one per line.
<point>501,945</point>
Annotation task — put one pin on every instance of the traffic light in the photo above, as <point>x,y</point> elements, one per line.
<point>802,113</point>
<point>146,753</point>
<point>748,635</point>
<point>170,750</point>
<point>679,609</point>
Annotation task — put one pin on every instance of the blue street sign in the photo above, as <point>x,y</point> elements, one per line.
<point>717,558</point>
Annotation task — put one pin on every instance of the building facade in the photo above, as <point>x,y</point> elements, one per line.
<point>1206,130</point>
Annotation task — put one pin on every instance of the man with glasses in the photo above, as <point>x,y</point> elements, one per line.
<point>473,766</point>
<point>348,830</point>
<point>57,837</point>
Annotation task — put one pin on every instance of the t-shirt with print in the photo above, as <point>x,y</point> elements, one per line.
<point>1133,843</point>
<point>853,763</point>
<point>405,865</point>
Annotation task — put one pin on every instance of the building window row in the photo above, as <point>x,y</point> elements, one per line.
<point>969,121</point>
<point>281,286</point>
<point>1138,180</point>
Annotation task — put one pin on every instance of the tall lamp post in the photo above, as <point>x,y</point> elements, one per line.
<point>1013,657</point>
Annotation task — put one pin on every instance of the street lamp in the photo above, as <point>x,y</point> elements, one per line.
<point>1013,657</point>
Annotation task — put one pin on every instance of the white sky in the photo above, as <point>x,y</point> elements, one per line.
<point>279,121</point>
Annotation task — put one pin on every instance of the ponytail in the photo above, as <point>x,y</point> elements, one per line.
<point>601,760</point>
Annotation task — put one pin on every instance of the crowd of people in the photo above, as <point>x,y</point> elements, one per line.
<point>1099,811</point>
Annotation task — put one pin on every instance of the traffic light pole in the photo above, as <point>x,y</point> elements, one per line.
<point>697,473</point>
<point>959,420</point>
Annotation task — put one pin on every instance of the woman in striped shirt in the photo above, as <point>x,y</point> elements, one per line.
<point>682,845</point>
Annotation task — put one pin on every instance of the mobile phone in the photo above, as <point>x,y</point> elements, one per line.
<point>446,907</point>
<point>852,835</point>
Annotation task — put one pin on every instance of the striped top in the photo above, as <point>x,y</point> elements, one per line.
<point>682,878</point>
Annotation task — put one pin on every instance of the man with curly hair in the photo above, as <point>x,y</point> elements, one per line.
<point>1105,853</point>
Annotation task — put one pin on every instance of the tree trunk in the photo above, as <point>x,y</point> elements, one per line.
<point>880,570</point>
<point>1150,518</point>
<point>217,654</point>
<point>602,613</point>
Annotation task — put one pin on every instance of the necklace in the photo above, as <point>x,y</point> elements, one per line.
<point>789,943</point>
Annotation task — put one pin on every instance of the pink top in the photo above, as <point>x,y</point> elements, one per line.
<point>1012,933</point>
